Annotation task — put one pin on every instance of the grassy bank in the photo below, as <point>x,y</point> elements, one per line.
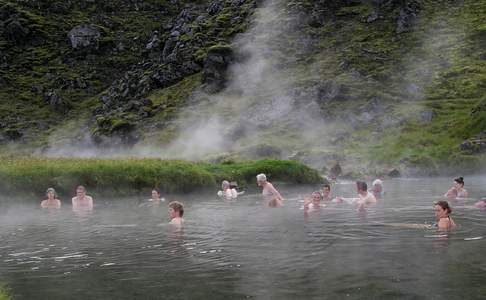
<point>120,176</point>
<point>4,293</point>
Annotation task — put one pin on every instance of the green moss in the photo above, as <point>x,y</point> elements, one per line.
<point>125,175</point>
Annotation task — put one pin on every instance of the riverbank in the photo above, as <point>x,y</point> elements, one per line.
<point>121,176</point>
<point>4,293</point>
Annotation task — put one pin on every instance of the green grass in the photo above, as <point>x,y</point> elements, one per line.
<point>120,176</point>
<point>5,293</point>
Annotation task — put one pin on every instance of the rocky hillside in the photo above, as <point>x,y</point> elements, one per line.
<point>372,84</point>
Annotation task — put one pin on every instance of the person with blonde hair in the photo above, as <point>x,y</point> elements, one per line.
<point>51,201</point>
<point>270,194</point>
<point>227,192</point>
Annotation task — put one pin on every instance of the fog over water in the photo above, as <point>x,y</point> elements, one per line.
<point>243,249</point>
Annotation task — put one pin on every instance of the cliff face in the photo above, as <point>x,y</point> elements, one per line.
<point>369,83</point>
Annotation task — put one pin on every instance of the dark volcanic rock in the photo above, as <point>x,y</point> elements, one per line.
<point>394,173</point>
<point>84,36</point>
<point>14,31</point>
<point>13,134</point>
<point>407,16</point>
<point>215,67</point>
<point>56,102</point>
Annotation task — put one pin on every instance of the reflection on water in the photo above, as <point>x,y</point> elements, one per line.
<point>240,249</point>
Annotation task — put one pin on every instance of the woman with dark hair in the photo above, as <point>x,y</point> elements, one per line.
<point>457,190</point>
<point>51,201</point>
<point>442,213</point>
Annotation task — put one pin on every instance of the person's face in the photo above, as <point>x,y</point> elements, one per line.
<point>260,182</point>
<point>440,212</point>
<point>80,192</point>
<point>155,194</point>
<point>172,213</point>
<point>50,195</point>
<point>316,198</point>
<point>326,191</point>
<point>457,185</point>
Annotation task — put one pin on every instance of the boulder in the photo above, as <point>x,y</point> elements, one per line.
<point>16,32</point>
<point>427,116</point>
<point>407,16</point>
<point>154,41</point>
<point>394,173</point>
<point>335,171</point>
<point>215,67</point>
<point>84,36</point>
<point>56,102</point>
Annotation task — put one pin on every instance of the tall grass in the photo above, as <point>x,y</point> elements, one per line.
<point>120,176</point>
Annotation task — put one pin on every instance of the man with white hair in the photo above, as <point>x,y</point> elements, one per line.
<point>377,188</point>
<point>270,194</point>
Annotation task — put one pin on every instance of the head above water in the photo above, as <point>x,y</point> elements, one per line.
<point>176,209</point>
<point>316,197</point>
<point>460,181</point>
<point>51,191</point>
<point>361,186</point>
<point>261,179</point>
<point>155,193</point>
<point>326,188</point>
<point>225,185</point>
<point>80,190</point>
<point>442,209</point>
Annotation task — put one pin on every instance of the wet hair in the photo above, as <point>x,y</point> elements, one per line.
<point>444,205</point>
<point>51,190</point>
<point>327,186</point>
<point>177,206</point>
<point>459,180</point>
<point>157,190</point>
<point>261,177</point>
<point>362,186</point>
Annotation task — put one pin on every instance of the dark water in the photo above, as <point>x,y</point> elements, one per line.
<point>239,250</point>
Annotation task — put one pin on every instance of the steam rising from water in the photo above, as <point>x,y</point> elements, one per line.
<point>257,104</point>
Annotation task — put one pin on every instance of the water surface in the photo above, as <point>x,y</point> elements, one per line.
<point>241,249</point>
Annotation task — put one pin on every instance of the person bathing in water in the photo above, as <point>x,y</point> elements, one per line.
<point>377,188</point>
<point>51,201</point>
<point>269,193</point>
<point>155,199</point>
<point>228,192</point>
<point>364,199</point>
<point>82,201</point>
<point>326,193</point>
<point>457,190</point>
<point>314,202</point>
<point>442,214</point>
<point>481,203</point>
<point>176,211</point>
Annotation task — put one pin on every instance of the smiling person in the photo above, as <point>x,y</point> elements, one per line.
<point>457,190</point>
<point>82,201</point>
<point>176,211</point>
<point>314,202</point>
<point>269,193</point>
<point>51,201</point>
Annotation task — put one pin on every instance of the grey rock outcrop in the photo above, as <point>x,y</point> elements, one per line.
<point>215,68</point>
<point>84,36</point>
